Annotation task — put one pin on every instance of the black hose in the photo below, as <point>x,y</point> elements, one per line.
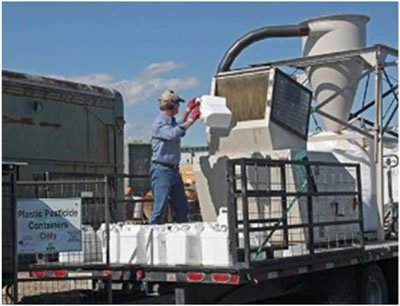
<point>256,35</point>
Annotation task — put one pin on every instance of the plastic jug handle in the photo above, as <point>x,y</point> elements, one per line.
<point>223,209</point>
<point>185,227</point>
<point>175,229</point>
<point>223,228</point>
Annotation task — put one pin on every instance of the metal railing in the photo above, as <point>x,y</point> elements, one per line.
<point>281,208</point>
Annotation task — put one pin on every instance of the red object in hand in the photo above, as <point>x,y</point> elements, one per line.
<point>192,103</point>
<point>195,114</point>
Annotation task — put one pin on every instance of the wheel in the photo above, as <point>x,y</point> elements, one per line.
<point>372,285</point>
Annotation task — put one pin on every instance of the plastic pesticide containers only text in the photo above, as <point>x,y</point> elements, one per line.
<point>214,112</point>
<point>183,244</point>
<point>215,245</point>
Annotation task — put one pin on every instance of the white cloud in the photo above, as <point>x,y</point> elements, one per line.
<point>94,79</point>
<point>144,86</point>
<point>139,90</point>
<point>156,69</point>
<point>138,132</point>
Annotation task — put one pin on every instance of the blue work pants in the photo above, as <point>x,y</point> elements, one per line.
<point>167,181</point>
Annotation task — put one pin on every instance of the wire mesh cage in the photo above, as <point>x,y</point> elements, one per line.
<point>289,208</point>
<point>61,235</point>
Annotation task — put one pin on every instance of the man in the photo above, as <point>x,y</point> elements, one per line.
<point>166,146</point>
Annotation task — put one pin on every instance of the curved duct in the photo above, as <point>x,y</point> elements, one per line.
<point>256,35</point>
<point>334,82</point>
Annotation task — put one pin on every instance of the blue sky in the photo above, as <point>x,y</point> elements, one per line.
<point>142,48</point>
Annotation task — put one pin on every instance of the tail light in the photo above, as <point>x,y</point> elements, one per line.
<point>59,273</point>
<point>38,274</point>
<point>195,276</point>
<point>139,274</point>
<point>221,277</point>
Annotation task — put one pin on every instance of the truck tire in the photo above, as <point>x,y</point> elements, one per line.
<point>372,285</point>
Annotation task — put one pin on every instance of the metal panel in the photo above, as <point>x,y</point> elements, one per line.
<point>61,127</point>
<point>291,104</point>
<point>139,164</point>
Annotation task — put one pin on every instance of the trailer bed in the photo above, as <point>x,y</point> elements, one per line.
<point>229,275</point>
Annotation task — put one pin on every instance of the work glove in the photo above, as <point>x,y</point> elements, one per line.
<point>195,113</point>
<point>193,103</point>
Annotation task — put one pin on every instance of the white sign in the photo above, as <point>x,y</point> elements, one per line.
<point>49,225</point>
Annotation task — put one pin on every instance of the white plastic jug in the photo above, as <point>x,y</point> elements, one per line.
<point>71,257</point>
<point>183,244</point>
<point>215,245</point>
<point>145,242</point>
<point>214,112</point>
<point>193,244</point>
<point>100,233</point>
<point>129,246</point>
<point>296,250</point>
<point>159,245</point>
<point>114,243</point>
<point>223,215</point>
<point>256,240</point>
<point>176,244</point>
<point>89,241</point>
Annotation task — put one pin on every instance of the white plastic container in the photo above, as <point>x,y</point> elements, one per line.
<point>176,239</point>
<point>145,242</point>
<point>296,250</point>
<point>100,234</point>
<point>159,245</point>
<point>214,112</point>
<point>114,241</point>
<point>223,216</point>
<point>130,248</point>
<point>90,245</point>
<point>193,244</point>
<point>215,245</point>
<point>184,245</point>
<point>89,251</point>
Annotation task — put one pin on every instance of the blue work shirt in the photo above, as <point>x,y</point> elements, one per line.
<point>166,139</point>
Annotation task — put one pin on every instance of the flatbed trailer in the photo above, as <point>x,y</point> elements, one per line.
<point>355,271</point>
<point>342,276</point>
<point>279,277</point>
